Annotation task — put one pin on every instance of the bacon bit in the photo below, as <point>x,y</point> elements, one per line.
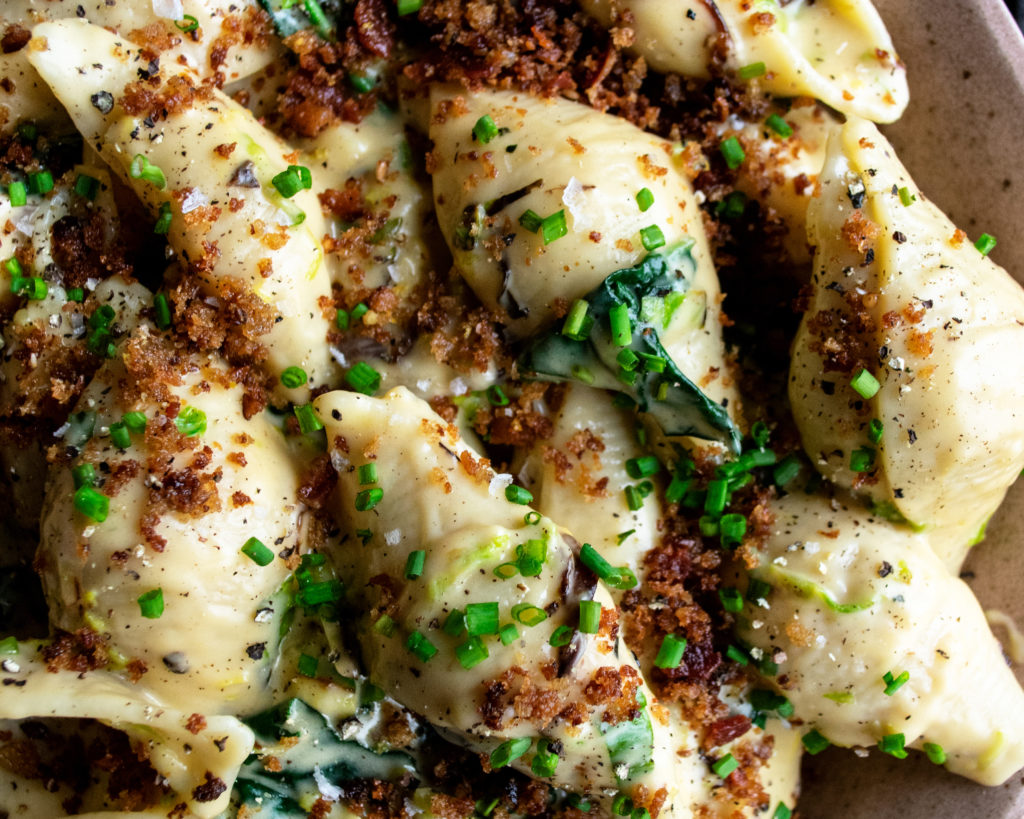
<point>195,724</point>
<point>920,344</point>
<point>831,534</point>
<point>211,788</point>
<point>864,142</point>
<point>649,169</point>
<point>451,807</point>
<point>595,236</point>
<point>80,651</point>
<point>799,634</point>
<point>240,499</point>
<point>318,481</point>
<point>913,312</point>
<point>439,477</point>
<point>15,38</point>
<point>725,730</point>
<point>847,95</point>
<point>177,94</point>
<point>373,27</point>
<point>445,407</point>
<point>136,668</point>
<point>225,150</point>
<point>576,145</point>
<point>761,22</point>
<point>958,238</point>
<point>858,231</point>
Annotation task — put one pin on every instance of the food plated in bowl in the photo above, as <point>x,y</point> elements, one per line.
<point>402,453</point>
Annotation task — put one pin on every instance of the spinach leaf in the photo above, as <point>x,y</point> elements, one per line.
<point>310,758</point>
<point>652,292</point>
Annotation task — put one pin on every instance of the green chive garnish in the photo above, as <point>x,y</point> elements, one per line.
<point>257,552</point>
<point>670,654</point>
<point>151,603</point>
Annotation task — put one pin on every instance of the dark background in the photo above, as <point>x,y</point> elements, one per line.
<point>1016,8</point>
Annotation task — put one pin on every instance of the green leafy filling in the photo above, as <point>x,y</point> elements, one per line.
<point>808,588</point>
<point>676,403</point>
<point>312,758</point>
<point>630,744</point>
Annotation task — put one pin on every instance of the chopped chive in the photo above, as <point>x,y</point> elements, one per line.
<point>560,637</point>
<point>367,474</point>
<point>865,384</point>
<point>531,220</point>
<point>420,646</point>
<point>640,813</point>
<point>151,603</point>
<point>41,182</point>
<point>652,363</point>
<point>622,805</point>
<point>725,766</point>
<point>13,266</point>
<point>366,499</point>
<point>581,373</point>
<point>187,23</point>
<point>18,194</point>
<point>289,182</point>
<point>643,467</point>
<point>782,812</point>
<point>894,684</point>
<point>87,186</point>
<point>935,752</point>
<point>708,525</point>
<point>517,494</point>
<point>651,237</point>
<point>496,395</point>
<point>361,83</point>
<point>545,761</point>
<point>761,434</point>
<point>365,535</point>
<point>531,518</point>
<point>985,243</point>
<point>634,500</point>
<point>485,129</point>
<point>163,221</point>
<point>733,205</point>
<point>753,458</point>
<point>341,319</point>
<point>119,435</point>
<point>875,430</point>
<point>294,377</point>
<point>787,470</point>
<point>757,590</point>
<point>814,742</point>
<point>737,655</point>
<point>406,7</point>
<point>892,744</point>
<point>359,311</point>
<point>508,634</point>
<point>9,645</point>
<point>83,475</point>
<point>841,697</point>
<point>779,126</point>
<point>732,152</point>
<point>748,72</point>
<point>92,503</point>
<point>256,551</point>
<point>76,294</point>
<point>455,623</point>
<point>190,421</point>
<point>644,199</point>
<point>506,570</point>
<point>670,655</point>
<point>509,751</point>
<point>553,227</point>
<point>362,377</point>
<point>481,618</point>
<point>161,311</point>
<point>906,197</point>
<point>141,168</point>
<point>530,557</point>
<point>317,17</point>
<point>575,320</point>
<point>732,528</point>
<point>718,494</point>
<point>414,564</point>
<point>385,625</point>
<point>861,460</point>
<point>590,616</point>
<point>471,653</point>
<point>627,359</point>
<point>677,488</point>
<point>731,599</point>
<point>528,614</point>
<point>764,700</point>
<point>622,537</point>
<point>308,665</point>
<point>621,327</point>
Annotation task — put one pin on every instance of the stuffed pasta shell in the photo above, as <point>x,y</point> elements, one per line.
<point>470,600</point>
<point>239,215</point>
<point>877,643</point>
<point>787,46</point>
<point>903,382</point>
<point>163,533</point>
